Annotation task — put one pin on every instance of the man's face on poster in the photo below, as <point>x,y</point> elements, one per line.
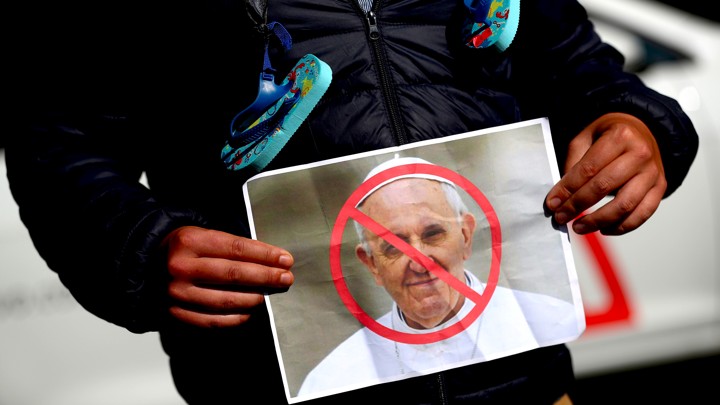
<point>418,212</point>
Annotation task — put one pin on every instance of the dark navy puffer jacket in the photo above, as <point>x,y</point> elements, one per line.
<point>107,91</point>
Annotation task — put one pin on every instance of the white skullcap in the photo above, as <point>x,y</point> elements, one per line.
<point>395,162</point>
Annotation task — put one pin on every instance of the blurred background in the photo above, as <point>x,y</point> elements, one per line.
<point>652,297</point>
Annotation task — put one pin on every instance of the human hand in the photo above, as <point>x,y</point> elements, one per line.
<point>617,154</point>
<point>217,279</point>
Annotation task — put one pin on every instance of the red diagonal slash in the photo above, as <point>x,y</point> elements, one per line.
<point>415,255</point>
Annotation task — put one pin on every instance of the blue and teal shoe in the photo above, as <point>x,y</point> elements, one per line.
<point>491,23</point>
<point>258,132</point>
<point>256,140</point>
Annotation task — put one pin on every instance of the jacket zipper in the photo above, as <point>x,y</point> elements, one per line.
<point>441,389</point>
<point>396,122</point>
<point>387,86</point>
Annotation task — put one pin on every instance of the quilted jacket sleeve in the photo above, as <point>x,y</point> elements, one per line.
<point>570,75</point>
<point>89,217</point>
<point>75,153</point>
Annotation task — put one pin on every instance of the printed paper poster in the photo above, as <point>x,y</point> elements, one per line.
<point>416,259</point>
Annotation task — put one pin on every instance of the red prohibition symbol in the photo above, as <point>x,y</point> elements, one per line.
<point>348,211</point>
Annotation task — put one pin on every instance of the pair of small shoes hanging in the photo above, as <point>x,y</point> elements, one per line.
<point>260,131</point>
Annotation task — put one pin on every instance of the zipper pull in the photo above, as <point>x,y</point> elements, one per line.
<point>374,33</point>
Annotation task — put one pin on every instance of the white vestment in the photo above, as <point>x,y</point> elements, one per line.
<point>513,322</point>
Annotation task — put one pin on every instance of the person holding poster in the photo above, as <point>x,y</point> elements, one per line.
<point>427,212</point>
<point>126,154</point>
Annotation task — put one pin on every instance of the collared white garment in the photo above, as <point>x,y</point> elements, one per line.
<point>513,322</point>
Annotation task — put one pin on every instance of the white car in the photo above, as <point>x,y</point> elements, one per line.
<point>652,296</point>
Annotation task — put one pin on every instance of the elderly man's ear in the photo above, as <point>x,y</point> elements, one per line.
<point>468,229</point>
<point>367,259</point>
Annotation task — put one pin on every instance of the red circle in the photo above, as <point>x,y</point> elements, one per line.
<point>348,210</point>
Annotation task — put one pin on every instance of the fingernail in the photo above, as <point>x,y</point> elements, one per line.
<point>546,210</point>
<point>286,278</point>
<point>561,217</point>
<point>554,203</point>
<point>285,260</point>
<point>580,228</point>
<point>554,224</point>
